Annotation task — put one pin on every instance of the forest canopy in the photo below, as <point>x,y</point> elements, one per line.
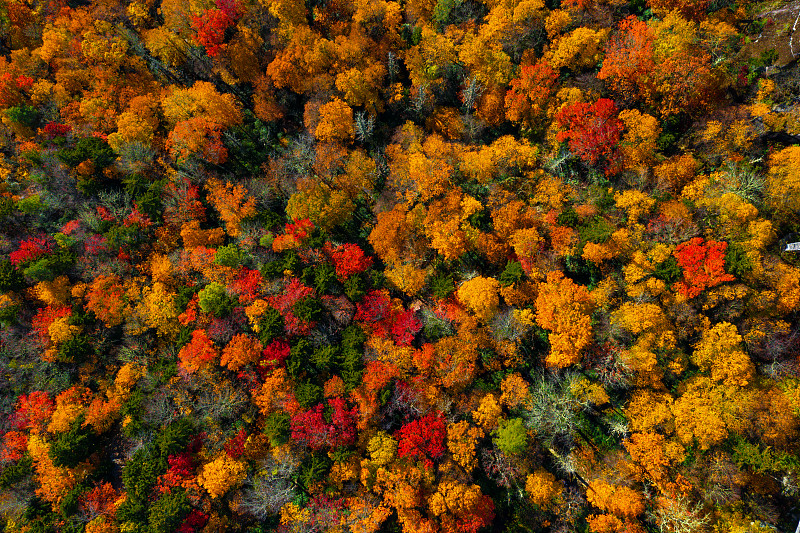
<point>420,266</point>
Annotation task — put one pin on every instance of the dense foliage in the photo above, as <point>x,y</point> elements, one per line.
<point>422,266</point>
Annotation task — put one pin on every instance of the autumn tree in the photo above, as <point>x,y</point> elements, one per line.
<point>221,474</point>
<point>198,353</point>
<point>782,184</point>
<point>528,96</point>
<point>660,63</point>
<point>335,122</point>
<point>720,353</point>
<point>241,350</point>
<point>542,488</point>
<point>593,131</point>
<point>582,48</point>
<point>629,59</point>
<point>481,295</point>
<point>232,202</point>
<point>461,507</point>
<point>562,308</point>
<point>423,439</point>
<point>703,264</point>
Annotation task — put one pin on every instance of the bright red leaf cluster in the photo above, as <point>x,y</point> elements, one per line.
<point>273,356</point>
<point>528,95</point>
<point>311,429</point>
<point>593,130</point>
<point>54,129</point>
<point>423,439</point>
<point>30,250</point>
<point>285,302</point>
<point>376,312</point>
<point>210,28</point>
<point>349,259</point>
<point>294,234</point>
<point>703,266</point>
<point>247,285</point>
<point>44,317</point>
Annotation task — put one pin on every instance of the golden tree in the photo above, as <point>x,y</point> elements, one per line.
<point>562,308</point>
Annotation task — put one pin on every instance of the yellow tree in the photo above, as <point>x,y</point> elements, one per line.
<point>638,143</point>
<point>655,334</point>
<point>221,474</point>
<point>543,488</point>
<point>563,308</point>
<point>783,182</point>
<point>232,202</point>
<point>582,48</point>
<point>462,439</point>
<point>481,296</point>
<point>710,412</point>
<point>335,122</point>
<point>720,353</point>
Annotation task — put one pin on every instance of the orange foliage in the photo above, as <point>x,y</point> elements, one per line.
<point>232,202</point>
<point>621,501</point>
<point>335,122</point>
<point>514,390</point>
<point>527,98</point>
<point>462,442</point>
<point>106,299</point>
<point>542,488</point>
<point>54,482</point>
<point>198,353</point>
<point>241,350</point>
<point>562,307</point>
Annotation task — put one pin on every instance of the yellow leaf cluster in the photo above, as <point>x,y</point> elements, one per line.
<point>488,412</point>
<point>563,308</point>
<point>157,310</point>
<point>638,143</point>
<point>61,331</point>
<point>635,203</point>
<point>221,474</point>
<point>542,488</point>
<point>55,293</point>
<point>582,48</point>
<point>720,352</point>
<point>639,272</point>
<point>588,392</point>
<point>54,482</point>
<point>407,278</point>
<point>481,296</point>
<point>709,413</point>
<point>201,100</point>
<point>461,441</point>
<point>335,122</point>
<point>382,448</point>
<point>557,20</point>
<point>454,498</point>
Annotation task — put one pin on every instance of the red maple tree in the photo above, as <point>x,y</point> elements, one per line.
<point>423,439</point>
<point>703,265</point>
<point>593,131</point>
